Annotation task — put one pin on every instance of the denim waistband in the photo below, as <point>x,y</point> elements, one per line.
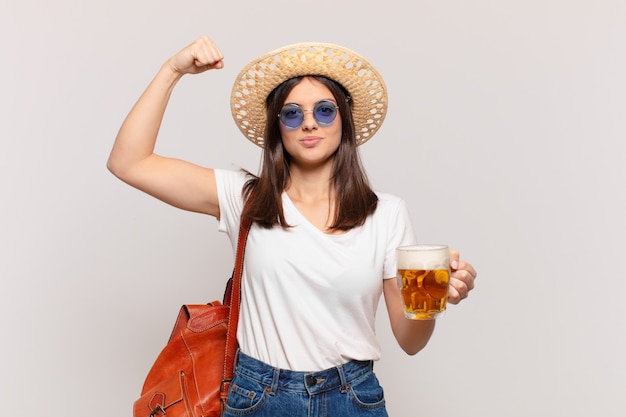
<point>313,382</point>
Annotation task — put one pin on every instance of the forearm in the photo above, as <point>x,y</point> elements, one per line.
<point>413,335</point>
<point>137,136</point>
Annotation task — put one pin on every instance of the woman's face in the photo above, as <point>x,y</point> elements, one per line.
<point>311,144</point>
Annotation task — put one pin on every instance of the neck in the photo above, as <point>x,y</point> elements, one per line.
<point>309,185</point>
<point>314,197</point>
<point>308,191</point>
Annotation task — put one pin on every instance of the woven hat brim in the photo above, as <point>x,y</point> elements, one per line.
<point>262,75</point>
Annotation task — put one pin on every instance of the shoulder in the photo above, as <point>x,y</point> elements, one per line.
<point>392,214</point>
<point>231,178</point>
<point>391,208</point>
<point>231,174</point>
<point>389,202</point>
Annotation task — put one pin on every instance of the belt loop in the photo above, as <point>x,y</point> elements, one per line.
<point>275,378</point>
<point>342,377</point>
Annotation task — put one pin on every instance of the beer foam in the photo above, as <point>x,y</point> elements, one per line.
<point>423,257</point>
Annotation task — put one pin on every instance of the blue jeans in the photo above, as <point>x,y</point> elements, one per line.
<point>260,390</point>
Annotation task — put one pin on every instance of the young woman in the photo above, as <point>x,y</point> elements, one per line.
<point>321,251</point>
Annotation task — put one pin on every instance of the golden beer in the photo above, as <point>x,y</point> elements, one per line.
<point>423,279</point>
<point>424,292</point>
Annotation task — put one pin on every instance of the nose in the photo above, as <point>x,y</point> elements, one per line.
<point>309,122</point>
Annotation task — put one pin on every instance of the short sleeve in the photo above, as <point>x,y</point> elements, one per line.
<point>230,197</point>
<point>401,233</point>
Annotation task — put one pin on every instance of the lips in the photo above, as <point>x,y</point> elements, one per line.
<point>310,141</point>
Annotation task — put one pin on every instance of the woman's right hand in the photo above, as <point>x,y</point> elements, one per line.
<point>199,56</point>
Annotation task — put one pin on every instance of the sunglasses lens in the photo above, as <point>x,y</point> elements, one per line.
<point>325,112</point>
<point>291,116</point>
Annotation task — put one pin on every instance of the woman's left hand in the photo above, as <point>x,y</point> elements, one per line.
<point>462,276</point>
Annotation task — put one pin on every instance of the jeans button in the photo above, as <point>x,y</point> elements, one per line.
<point>311,381</point>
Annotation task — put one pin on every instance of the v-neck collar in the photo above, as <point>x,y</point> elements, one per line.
<point>302,220</point>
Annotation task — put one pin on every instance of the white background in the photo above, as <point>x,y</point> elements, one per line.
<point>505,134</point>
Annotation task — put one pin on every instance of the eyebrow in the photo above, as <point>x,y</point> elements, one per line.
<point>332,100</point>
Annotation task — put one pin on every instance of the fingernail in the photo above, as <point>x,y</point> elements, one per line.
<point>454,264</point>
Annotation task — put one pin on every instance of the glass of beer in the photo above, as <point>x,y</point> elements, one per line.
<point>423,278</point>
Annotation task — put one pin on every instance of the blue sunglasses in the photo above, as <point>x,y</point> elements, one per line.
<point>292,115</point>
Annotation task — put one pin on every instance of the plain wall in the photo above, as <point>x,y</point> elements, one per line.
<point>505,135</point>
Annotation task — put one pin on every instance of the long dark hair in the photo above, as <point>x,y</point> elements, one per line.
<point>355,199</point>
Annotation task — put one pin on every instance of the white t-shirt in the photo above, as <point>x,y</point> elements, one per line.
<point>309,299</point>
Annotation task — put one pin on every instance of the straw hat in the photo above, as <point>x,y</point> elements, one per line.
<point>257,79</point>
